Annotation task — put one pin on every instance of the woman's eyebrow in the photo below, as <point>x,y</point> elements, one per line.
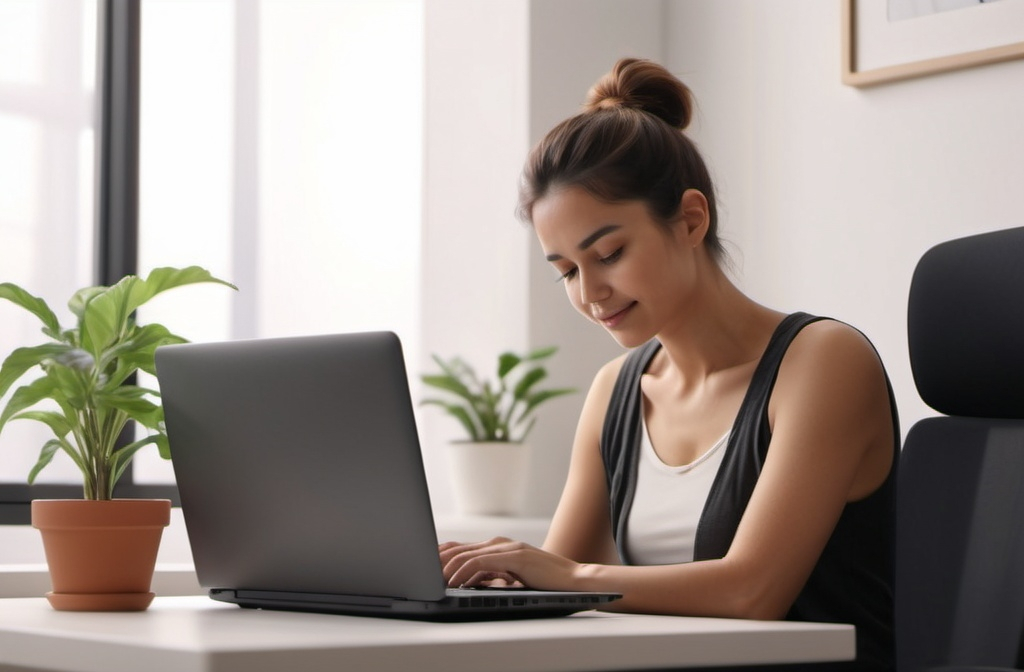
<point>589,240</point>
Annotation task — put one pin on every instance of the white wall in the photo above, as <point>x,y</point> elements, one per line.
<point>474,255</point>
<point>572,43</point>
<point>830,193</point>
<point>498,76</point>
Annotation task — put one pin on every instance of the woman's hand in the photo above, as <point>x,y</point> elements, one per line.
<point>503,562</point>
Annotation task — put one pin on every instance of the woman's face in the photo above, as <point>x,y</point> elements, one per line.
<point>621,268</point>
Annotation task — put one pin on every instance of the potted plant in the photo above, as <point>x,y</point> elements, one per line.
<point>489,465</point>
<point>86,394</point>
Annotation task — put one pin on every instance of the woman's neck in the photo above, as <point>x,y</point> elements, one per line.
<point>718,328</point>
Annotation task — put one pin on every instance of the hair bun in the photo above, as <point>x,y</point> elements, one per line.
<point>643,85</point>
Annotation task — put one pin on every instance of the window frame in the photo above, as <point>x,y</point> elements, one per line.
<point>116,219</point>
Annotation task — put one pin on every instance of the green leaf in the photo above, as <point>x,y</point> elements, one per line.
<point>542,353</point>
<point>80,299</point>
<point>142,411</point>
<point>137,352</point>
<point>486,406</point>
<point>76,458</point>
<point>123,457</point>
<point>84,371</point>
<point>529,379</point>
<point>449,384</point>
<point>130,399</point>
<point>538,398</point>
<point>163,446</point>
<point>108,314</point>
<point>161,279</point>
<point>495,407</point>
<point>70,386</point>
<point>47,453</point>
<point>143,339</point>
<point>461,414</point>
<point>23,359</point>
<point>105,316</point>
<point>77,359</point>
<point>50,448</point>
<point>65,406</point>
<point>33,304</point>
<point>56,421</point>
<point>459,370</point>
<point>506,363</point>
<point>27,396</point>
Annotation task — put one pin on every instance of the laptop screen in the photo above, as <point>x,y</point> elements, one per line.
<point>299,465</point>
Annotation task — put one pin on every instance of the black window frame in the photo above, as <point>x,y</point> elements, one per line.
<point>116,217</point>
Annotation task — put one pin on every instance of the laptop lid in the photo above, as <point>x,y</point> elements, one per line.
<point>298,465</point>
<point>302,484</point>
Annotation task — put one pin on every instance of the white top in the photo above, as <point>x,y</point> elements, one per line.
<point>667,504</point>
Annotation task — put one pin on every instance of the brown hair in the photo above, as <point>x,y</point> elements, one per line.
<point>626,144</point>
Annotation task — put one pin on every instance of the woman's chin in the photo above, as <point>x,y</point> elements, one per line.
<point>629,338</point>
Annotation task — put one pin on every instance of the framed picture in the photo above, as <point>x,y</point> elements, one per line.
<point>890,40</point>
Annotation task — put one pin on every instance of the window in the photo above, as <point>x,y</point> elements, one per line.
<point>279,146</point>
<point>282,151</point>
<point>46,169</point>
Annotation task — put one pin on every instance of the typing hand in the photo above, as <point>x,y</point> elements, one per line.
<point>503,562</point>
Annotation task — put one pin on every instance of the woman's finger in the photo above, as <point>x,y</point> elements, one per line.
<point>454,555</point>
<point>475,566</point>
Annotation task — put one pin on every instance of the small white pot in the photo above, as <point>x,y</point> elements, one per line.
<point>489,478</point>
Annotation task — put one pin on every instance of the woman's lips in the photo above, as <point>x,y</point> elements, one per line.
<point>612,320</point>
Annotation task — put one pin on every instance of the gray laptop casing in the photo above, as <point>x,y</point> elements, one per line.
<point>302,484</point>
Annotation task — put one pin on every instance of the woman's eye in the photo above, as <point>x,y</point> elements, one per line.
<point>611,258</point>
<point>568,275</point>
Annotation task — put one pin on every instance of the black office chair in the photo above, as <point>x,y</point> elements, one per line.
<point>960,508</point>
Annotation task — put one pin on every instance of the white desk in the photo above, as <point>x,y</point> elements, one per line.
<point>33,580</point>
<point>196,634</point>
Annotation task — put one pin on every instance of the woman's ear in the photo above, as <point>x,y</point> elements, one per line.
<point>695,217</point>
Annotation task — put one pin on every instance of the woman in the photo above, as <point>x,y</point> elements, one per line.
<point>738,461</point>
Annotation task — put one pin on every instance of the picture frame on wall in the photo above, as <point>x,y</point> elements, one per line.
<point>892,40</point>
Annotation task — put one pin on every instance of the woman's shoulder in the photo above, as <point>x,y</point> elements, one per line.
<point>599,396</point>
<point>829,341</point>
<point>602,389</point>
<point>603,385</point>
<point>608,374</point>
<point>831,354</point>
<point>832,402</point>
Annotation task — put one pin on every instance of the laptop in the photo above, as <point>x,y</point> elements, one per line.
<point>302,483</point>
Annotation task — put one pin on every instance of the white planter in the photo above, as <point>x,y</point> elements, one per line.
<point>489,478</point>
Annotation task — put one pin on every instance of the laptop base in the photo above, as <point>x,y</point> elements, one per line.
<point>460,605</point>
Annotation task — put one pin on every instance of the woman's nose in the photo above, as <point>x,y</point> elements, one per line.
<point>593,288</point>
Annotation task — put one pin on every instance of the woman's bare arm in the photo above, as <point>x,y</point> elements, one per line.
<point>832,443</point>
<point>581,527</point>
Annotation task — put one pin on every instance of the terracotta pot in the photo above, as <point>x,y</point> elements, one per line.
<point>101,554</point>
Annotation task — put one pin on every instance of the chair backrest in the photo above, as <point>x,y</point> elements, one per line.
<point>960,503</point>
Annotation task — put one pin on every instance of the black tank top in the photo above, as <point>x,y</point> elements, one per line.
<point>852,581</point>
